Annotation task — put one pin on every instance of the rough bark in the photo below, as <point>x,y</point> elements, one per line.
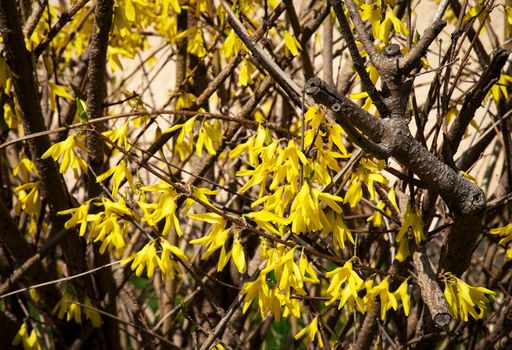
<point>25,88</point>
<point>96,94</point>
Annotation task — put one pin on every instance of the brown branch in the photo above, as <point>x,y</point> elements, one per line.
<point>362,33</point>
<point>96,94</point>
<point>64,19</point>
<point>309,70</point>
<point>33,20</point>
<point>283,79</point>
<point>346,111</point>
<point>431,292</point>
<point>465,199</point>
<point>419,50</point>
<point>430,288</point>
<point>327,52</point>
<point>358,61</point>
<point>19,249</point>
<point>481,53</point>
<point>182,113</point>
<point>474,99</point>
<point>25,88</point>
<point>96,88</point>
<point>24,268</point>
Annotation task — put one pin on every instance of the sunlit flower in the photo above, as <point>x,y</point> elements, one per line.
<point>145,258</point>
<point>345,285</point>
<point>66,150</point>
<point>506,233</point>
<point>463,299</point>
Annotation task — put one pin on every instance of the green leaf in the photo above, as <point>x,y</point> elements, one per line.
<point>81,110</point>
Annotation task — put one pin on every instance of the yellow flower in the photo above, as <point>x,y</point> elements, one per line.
<point>119,172</point>
<point>463,299</point>
<point>164,208</point>
<point>267,297</point>
<point>119,136</point>
<point>144,258</point>
<point>78,216</point>
<point>372,12</point>
<point>66,150</point>
<point>389,21</point>
<point>187,128</point>
<point>244,77</point>
<point>217,236</point>
<point>210,136</point>
<point>500,87</point>
<point>412,220</point>
<point>110,234</point>
<point>67,306</point>
<point>311,331</point>
<point>291,44</point>
<point>166,262</point>
<point>368,172</point>
<point>506,233</point>
<point>401,293</point>
<point>238,256</point>
<point>314,116</point>
<point>58,90</point>
<point>306,270</point>
<point>263,219</point>
<point>232,45</point>
<point>29,202</point>
<point>345,285</point>
<point>91,313</point>
<point>30,342</point>
<point>24,169</point>
<point>34,294</point>
<point>195,43</point>
<point>336,137</point>
<point>387,299</point>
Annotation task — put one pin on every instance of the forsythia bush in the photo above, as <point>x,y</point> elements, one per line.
<point>223,213</point>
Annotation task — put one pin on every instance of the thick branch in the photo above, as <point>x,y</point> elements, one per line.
<point>96,87</point>
<point>462,196</point>
<point>96,93</point>
<point>465,199</point>
<point>431,292</point>
<point>346,111</point>
<point>25,88</point>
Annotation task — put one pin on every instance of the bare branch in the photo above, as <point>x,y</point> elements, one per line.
<point>283,79</point>
<point>419,50</point>
<point>358,61</point>
<point>431,292</point>
<point>474,99</point>
<point>362,33</point>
